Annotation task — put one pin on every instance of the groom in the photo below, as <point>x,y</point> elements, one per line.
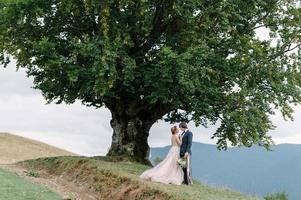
<point>185,151</point>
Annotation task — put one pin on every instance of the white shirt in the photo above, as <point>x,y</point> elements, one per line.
<point>184,132</point>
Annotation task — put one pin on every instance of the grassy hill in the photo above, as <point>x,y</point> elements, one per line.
<point>99,177</point>
<point>120,180</point>
<point>15,148</point>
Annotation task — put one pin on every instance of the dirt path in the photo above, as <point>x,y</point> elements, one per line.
<point>69,190</point>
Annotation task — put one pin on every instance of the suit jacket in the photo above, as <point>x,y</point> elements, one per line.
<point>186,143</point>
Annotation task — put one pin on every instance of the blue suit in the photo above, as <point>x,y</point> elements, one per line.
<point>186,143</point>
<point>186,147</point>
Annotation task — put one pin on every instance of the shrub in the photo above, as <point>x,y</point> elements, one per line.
<point>277,196</point>
<point>33,174</point>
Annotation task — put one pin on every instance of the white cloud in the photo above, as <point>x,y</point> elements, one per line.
<point>287,131</point>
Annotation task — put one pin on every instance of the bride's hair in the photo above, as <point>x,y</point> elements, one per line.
<point>174,130</point>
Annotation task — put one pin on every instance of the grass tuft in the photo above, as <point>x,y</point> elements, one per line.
<point>32,174</point>
<point>277,196</point>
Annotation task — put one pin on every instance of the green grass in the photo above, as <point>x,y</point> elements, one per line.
<point>111,178</point>
<point>13,187</point>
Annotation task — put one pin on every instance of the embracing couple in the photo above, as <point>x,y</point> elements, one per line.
<point>176,166</point>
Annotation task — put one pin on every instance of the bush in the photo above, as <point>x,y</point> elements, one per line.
<point>33,174</point>
<point>277,196</point>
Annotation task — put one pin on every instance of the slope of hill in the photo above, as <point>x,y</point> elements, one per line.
<point>119,180</point>
<point>13,187</point>
<point>15,148</point>
<point>253,170</point>
<point>98,177</point>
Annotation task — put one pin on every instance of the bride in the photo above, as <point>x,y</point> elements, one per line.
<point>168,171</point>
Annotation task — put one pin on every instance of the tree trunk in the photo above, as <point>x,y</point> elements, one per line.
<point>129,138</point>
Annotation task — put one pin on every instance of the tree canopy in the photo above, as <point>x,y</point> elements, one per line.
<point>190,60</point>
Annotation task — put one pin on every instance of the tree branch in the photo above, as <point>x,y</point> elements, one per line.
<point>158,28</point>
<point>284,50</point>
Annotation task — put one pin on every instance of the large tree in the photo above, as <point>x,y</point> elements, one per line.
<point>198,60</point>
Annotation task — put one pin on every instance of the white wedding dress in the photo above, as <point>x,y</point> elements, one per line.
<point>167,171</point>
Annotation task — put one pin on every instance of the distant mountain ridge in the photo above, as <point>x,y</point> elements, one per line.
<point>249,170</point>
